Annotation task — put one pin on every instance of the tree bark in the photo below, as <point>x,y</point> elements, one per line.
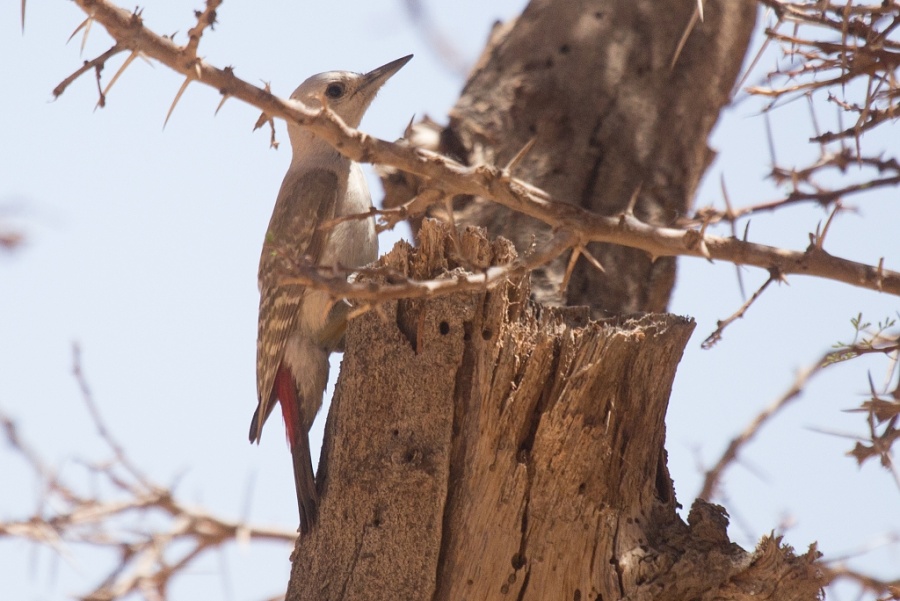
<point>593,83</point>
<point>484,445</point>
<point>480,446</point>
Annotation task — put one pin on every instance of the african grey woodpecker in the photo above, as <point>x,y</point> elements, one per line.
<point>300,327</point>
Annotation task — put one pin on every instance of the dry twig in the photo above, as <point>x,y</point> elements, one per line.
<point>881,410</point>
<point>487,181</point>
<point>148,558</point>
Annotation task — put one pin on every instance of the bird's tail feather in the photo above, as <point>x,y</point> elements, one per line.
<point>307,495</point>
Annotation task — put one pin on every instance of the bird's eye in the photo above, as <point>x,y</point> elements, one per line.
<point>334,90</point>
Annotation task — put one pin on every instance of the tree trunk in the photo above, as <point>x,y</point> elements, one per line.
<point>480,446</point>
<point>593,83</point>
<point>484,446</point>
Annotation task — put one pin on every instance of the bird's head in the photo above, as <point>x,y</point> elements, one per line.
<point>348,94</point>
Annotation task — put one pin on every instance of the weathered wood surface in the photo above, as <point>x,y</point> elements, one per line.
<point>593,84</point>
<point>481,447</point>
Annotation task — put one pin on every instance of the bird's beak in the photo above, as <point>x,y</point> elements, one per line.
<point>375,78</point>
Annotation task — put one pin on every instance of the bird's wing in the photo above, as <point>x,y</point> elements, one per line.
<point>304,201</point>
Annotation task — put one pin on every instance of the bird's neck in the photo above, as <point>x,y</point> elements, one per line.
<point>313,152</point>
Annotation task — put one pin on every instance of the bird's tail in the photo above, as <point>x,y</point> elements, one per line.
<point>307,495</point>
<point>298,437</point>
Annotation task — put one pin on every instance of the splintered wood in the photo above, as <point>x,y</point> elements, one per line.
<point>480,446</point>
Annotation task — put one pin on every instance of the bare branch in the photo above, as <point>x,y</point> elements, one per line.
<point>885,589</point>
<point>814,193</point>
<point>97,63</point>
<point>860,52</point>
<point>394,286</point>
<point>102,430</point>
<point>716,336</point>
<point>205,19</point>
<point>115,77</point>
<point>149,558</point>
<point>877,408</point>
<point>714,474</point>
<point>484,181</point>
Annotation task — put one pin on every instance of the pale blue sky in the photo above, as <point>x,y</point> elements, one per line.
<point>142,246</point>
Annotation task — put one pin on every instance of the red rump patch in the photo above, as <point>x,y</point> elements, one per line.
<point>286,392</point>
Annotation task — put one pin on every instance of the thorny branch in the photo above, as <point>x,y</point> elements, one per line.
<point>149,559</point>
<point>882,411</point>
<point>398,286</point>
<point>97,64</point>
<point>206,18</point>
<point>864,59</point>
<point>716,336</point>
<point>841,43</point>
<point>882,408</point>
<point>806,189</point>
<point>484,181</point>
<point>886,590</point>
<point>847,54</point>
